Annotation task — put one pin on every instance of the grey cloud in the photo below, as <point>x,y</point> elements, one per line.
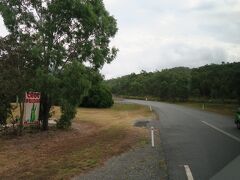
<point>210,41</point>
<point>165,56</point>
<point>172,55</point>
<point>222,26</point>
<point>159,34</point>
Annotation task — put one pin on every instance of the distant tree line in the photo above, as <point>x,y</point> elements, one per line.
<point>215,81</point>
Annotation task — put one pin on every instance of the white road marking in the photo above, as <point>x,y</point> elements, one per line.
<point>188,172</point>
<point>223,132</point>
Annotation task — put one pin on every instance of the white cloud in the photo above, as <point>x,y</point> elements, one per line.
<point>163,34</point>
<point>3,30</point>
<point>158,34</point>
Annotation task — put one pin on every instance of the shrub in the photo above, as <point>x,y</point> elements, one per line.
<point>99,96</point>
<point>68,113</point>
<point>5,109</point>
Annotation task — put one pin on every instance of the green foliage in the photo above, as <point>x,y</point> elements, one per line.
<point>14,70</point>
<point>178,84</point>
<point>216,81</point>
<point>172,84</point>
<point>56,32</point>
<point>45,38</point>
<point>5,109</point>
<point>75,83</point>
<point>68,113</point>
<point>46,82</point>
<point>99,96</point>
<point>11,81</point>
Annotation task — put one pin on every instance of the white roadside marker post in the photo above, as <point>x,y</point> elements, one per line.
<point>152,136</point>
<point>150,107</point>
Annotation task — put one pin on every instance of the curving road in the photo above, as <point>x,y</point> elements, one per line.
<point>207,143</point>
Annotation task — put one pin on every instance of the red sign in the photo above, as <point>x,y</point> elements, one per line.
<point>32,97</point>
<point>31,108</point>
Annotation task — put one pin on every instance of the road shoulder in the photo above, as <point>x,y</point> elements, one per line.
<point>140,163</point>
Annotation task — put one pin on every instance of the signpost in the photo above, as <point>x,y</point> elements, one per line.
<point>31,108</point>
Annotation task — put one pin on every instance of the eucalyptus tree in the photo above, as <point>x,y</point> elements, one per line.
<point>54,33</point>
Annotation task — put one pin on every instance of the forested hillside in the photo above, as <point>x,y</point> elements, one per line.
<point>215,81</point>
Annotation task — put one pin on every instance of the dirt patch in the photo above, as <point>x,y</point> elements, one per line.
<point>141,123</point>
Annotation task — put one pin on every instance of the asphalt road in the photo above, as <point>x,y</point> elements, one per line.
<point>208,143</point>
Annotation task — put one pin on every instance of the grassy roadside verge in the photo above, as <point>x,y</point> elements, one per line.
<point>97,135</point>
<point>228,109</point>
<point>223,109</point>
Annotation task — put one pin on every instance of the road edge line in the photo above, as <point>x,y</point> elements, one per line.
<point>188,172</point>
<point>221,131</point>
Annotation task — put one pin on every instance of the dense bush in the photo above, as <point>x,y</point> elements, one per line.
<point>68,113</point>
<point>5,109</point>
<point>74,83</point>
<point>99,96</point>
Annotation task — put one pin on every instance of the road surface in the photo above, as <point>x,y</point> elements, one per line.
<point>201,144</point>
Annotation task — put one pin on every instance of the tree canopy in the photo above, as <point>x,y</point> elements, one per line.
<point>58,31</point>
<point>51,46</point>
<point>215,81</point>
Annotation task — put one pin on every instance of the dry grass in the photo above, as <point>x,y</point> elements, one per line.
<point>97,135</point>
<point>224,109</point>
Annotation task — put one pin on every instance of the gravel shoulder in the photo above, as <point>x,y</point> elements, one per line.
<point>142,162</point>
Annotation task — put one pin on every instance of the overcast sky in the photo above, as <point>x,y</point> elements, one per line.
<point>159,34</point>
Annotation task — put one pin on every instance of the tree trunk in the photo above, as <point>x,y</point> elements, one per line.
<point>44,110</point>
<point>21,104</point>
